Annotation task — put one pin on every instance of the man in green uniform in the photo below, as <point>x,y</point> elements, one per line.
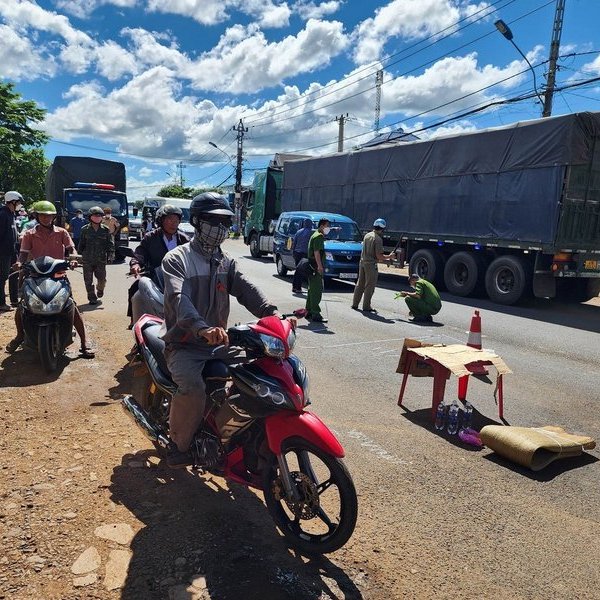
<point>95,246</point>
<point>316,258</point>
<point>423,302</point>
<point>372,253</point>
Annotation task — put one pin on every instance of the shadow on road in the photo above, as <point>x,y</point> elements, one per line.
<point>22,369</point>
<point>552,471</point>
<point>199,528</point>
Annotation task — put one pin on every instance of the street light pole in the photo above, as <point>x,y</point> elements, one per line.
<point>221,151</point>
<point>504,29</point>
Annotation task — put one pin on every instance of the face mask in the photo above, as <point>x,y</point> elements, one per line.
<point>326,230</point>
<point>211,236</point>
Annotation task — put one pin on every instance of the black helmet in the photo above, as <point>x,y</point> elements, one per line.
<point>167,209</point>
<point>209,203</point>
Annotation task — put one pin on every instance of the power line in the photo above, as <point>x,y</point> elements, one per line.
<point>378,64</point>
<point>422,65</point>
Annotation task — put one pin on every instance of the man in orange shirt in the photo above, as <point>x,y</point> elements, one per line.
<point>45,239</point>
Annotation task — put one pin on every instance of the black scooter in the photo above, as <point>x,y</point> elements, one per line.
<point>47,309</point>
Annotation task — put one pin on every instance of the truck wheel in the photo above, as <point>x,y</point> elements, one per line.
<point>577,290</point>
<point>428,264</point>
<point>508,279</point>
<point>463,274</point>
<point>281,268</point>
<point>255,246</point>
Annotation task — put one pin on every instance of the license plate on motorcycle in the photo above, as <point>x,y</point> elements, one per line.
<point>348,275</point>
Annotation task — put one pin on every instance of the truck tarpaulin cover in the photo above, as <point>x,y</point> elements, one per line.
<point>66,170</point>
<point>499,183</point>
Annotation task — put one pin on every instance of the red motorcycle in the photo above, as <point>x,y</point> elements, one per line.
<point>256,430</point>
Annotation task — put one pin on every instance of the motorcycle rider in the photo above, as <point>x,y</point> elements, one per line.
<point>199,278</point>
<point>46,239</point>
<point>95,246</point>
<point>154,245</point>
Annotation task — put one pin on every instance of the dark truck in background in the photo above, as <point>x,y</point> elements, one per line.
<point>80,182</point>
<point>509,211</point>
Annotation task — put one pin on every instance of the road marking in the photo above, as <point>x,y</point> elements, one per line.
<point>375,448</point>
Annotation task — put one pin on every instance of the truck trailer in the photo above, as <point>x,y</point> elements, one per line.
<point>509,211</point>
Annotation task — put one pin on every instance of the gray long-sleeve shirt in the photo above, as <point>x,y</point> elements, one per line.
<point>197,290</point>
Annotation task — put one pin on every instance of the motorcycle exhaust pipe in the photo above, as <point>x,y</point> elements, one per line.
<point>142,419</point>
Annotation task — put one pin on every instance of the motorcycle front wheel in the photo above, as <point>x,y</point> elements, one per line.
<point>49,348</point>
<point>323,516</point>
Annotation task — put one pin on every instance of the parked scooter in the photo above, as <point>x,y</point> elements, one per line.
<point>47,309</point>
<point>256,431</point>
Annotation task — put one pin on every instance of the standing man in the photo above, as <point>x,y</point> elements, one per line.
<point>113,226</point>
<point>199,280</point>
<point>423,302</point>
<point>8,241</point>
<point>316,258</point>
<point>77,222</point>
<point>95,246</point>
<point>45,239</point>
<point>372,253</point>
<point>300,251</point>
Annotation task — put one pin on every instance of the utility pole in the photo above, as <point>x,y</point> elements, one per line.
<point>241,130</point>
<point>180,168</point>
<point>378,82</point>
<point>341,120</point>
<point>554,49</point>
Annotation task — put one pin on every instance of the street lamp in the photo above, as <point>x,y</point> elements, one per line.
<point>504,29</point>
<point>222,151</point>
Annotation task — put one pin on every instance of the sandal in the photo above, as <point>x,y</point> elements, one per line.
<point>85,352</point>
<point>14,344</point>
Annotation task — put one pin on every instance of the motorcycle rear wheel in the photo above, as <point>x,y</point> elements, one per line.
<point>49,348</point>
<point>324,518</point>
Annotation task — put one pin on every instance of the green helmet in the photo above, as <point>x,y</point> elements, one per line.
<point>43,207</point>
<point>95,210</point>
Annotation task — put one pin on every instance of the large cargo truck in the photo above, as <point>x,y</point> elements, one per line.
<point>80,182</point>
<point>509,211</point>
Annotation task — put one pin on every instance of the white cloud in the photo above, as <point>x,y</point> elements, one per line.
<point>114,62</point>
<point>146,172</point>
<point>84,8</point>
<point>307,9</point>
<point>409,20</point>
<point>268,13</point>
<point>244,61</point>
<point>19,59</point>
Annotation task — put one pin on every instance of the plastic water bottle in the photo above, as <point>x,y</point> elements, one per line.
<point>453,418</point>
<point>467,416</point>
<point>440,416</point>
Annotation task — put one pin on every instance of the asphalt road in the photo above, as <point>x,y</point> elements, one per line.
<point>441,519</point>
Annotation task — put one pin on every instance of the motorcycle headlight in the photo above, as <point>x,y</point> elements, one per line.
<point>328,256</point>
<point>272,346</point>
<point>57,303</point>
<point>35,304</point>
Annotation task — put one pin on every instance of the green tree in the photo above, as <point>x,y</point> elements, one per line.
<point>176,191</point>
<point>20,144</point>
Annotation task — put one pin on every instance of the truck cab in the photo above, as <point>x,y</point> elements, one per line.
<point>343,244</point>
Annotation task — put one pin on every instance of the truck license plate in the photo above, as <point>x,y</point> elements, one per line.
<point>591,265</point>
<point>348,275</point>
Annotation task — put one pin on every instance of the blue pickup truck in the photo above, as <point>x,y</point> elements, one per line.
<point>343,244</point>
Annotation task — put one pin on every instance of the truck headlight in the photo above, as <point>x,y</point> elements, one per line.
<point>328,256</point>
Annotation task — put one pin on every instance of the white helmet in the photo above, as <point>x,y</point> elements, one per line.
<point>380,223</point>
<point>13,196</point>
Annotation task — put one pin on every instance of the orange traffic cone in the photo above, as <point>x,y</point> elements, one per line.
<point>475,332</point>
<point>475,342</point>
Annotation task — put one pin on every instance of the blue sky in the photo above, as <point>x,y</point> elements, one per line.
<point>152,82</point>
